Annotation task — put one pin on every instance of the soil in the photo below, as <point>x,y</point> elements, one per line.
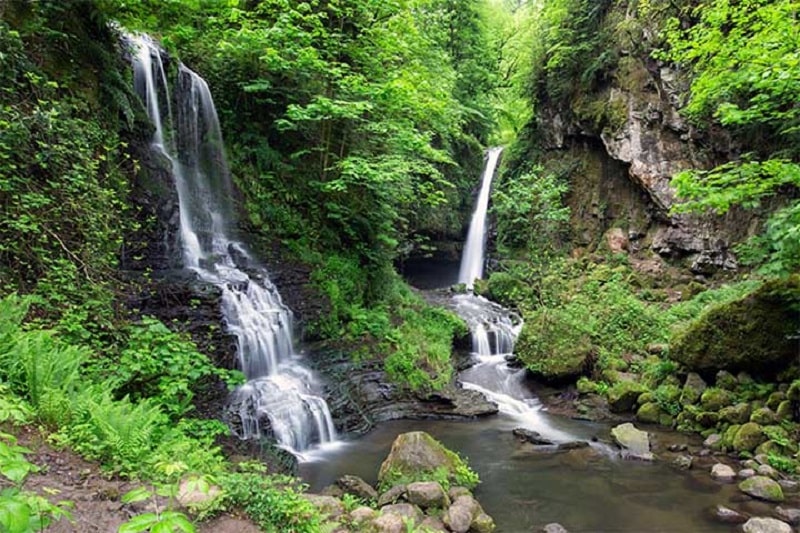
<point>96,505</point>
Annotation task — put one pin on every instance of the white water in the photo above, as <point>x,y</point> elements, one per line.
<point>472,257</point>
<point>279,388</point>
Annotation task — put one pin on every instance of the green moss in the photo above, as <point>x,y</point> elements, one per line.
<point>736,414</point>
<point>748,437</point>
<point>714,399</point>
<point>552,347</point>
<point>622,396</point>
<point>649,413</point>
<point>752,333</point>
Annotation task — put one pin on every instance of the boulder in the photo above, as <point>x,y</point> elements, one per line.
<point>458,517</point>
<point>753,333</point>
<point>483,523</point>
<point>572,445</point>
<point>766,525</point>
<point>723,472</point>
<point>726,515</point>
<point>692,389</point>
<point>735,414</point>
<point>427,494</point>
<point>392,495</point>
<point>415,456</point>
<point>634,442</point>
<point>552,349</point>
<point>405,510</point>
<point>649,413</point>
<point>746,473</point>
<point>361,515</point>
<point>714,399</point>
<point>622,396</point>
<point>763,488</point>
<point>790,515</point>
<point>533,437</point>
<point>388,523</point>
<point>432,524</point>
<point>356,486</point>
<point>764,416</point>
<point>768,471</point>
<point>725,380</point>
<point>713,441</point>
<point>785,411</point>
<point>748,437</point>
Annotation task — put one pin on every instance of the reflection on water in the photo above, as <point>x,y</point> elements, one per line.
<point>586,490</point>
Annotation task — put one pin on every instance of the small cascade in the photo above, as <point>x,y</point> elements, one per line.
<point>472,257</point>
<point>279,389</point>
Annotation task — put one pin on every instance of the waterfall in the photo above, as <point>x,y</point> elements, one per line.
<point>472,258</point>
<point>279,388</point>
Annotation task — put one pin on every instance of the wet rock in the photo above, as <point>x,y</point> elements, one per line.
<point>554,528</point>
<point>533,437</point>
<point>357,487</point>
<point>766,525</point>
<point>748,437</point>
<point>763,488</point>
<point>572,445</point>
<point>427,494</point>
<point>327,505</point>
<point>683,462</point>
<point>692,389</point>
<point>726,515</point>
<point>635,443</point>
<point>790,515</point>
<point>416,455</point>
<point>723,472</point>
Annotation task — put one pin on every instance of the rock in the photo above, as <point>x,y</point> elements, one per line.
<point>427,494</point>
<point>790,515</point>
<point>406,510</point>
<point>392,495</point>
<point>761,458</point>
<point>678,447</point>
<point>327,505</point>
<point>635,443</point>
<point>764,416</point>
<point>713,441</point>
<point>789,485</point>
<point>748,437</point>
<point>775,400</point>
<point>572,445</point>
<point>362,514</point>
<point>417,455</point>
<point>357,487</point>
<point>649,413</point>
<point>735,414</point>
<point>763,488</point>
<point>461,513</point>
<point>753,333</point>
<point>683,462</point>
<point>616,240</point>
<point>526,435</point>
<point>767,470</point>
<point>456,491</point>
<point>723,472</point>
<point>766,525</point>
<point>623,395</point>
<point>388,523</point>
<point>726,515</point>
<point>707,419</point>
<point>483,523</point>
<point>726,380</point>
<point>785,411</point>
<point>692,389</point>
<point>746,473</point>
<point>432,523</point>
<point>750,463</point>
<point>554,528</point>
<point>714,399</point>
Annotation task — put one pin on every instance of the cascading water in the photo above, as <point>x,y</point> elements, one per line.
<point>472,258</point>
<point>494,329</point>
<point>279,387</point>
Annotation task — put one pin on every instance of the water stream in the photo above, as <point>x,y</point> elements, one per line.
<point>281,396</point>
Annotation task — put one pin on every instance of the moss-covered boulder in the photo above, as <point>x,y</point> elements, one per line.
<point>622,396</point>
<point>763,488</point>
<point>714,399</point>
<point>764,416</point>
<point>736,414</point>
<point>753,333</point>
<point>785,411</point>
<point>416,456</point>
<point>729,435</point>
<point>725,380</point>
<point>693,389</point>
<point>649,413</point>
<point>775,399</point>
<point>707,419</point>
<point>553,348</point>
<point>749,436</point>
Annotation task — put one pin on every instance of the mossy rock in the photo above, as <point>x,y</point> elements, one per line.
<point>785,411</point>
<point>714,399</point>
<point>553,349</point>
<point>622,396</point>
<point>707,419</point>
<point>649,413</point>
<point>793,393</point>
<point>726,380</point>
<point>736,414</point>
<point>693,389</point>
<point>729,435</point>
<point>666,420</point>
<point>764,416</point>
<point>749,436</point>
<point>645,397</point>
<point>763,488</point>
<point>775,400</point>
<point>753,333</point>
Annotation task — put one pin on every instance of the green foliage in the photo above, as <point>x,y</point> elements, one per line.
<point>275,503</point>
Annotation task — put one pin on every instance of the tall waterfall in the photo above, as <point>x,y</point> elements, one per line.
<point>472,258</point>
<point>279,388</point>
